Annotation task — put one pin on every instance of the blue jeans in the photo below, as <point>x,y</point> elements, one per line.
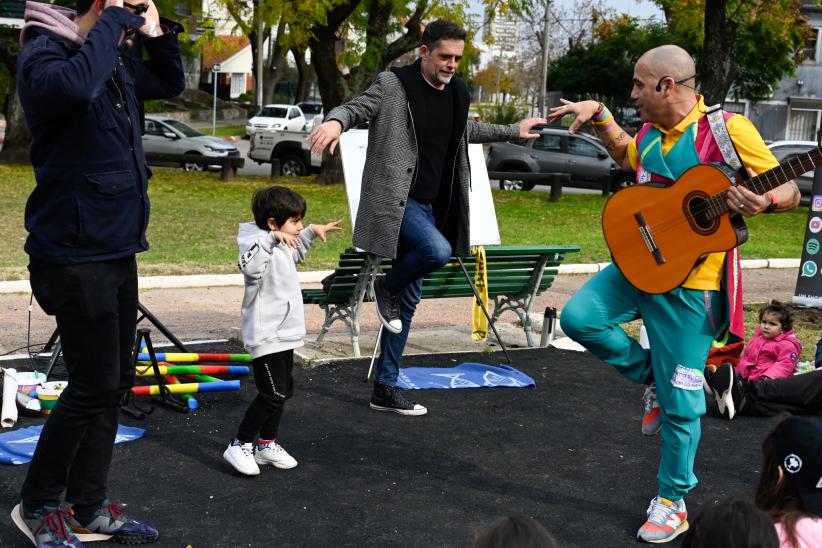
<point>421,249</point>
<point>681,325</point>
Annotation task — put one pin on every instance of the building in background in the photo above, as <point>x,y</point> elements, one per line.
<point>505,33</point>
<point>795,110</point>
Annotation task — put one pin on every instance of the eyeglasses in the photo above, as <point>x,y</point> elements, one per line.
<point>139,9</point>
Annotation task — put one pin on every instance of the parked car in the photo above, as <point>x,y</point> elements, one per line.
<point>169,136</point>
<point>557,151</point>
<point>288,117</point>
<point>787,150</point>
<point>311,109</point>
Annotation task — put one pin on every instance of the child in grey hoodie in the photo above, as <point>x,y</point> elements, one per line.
<point>273,324</point>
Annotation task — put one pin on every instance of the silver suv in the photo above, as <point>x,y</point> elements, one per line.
<point>169,136</point>
<point>583,157</point>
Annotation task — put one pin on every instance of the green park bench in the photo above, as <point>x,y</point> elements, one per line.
<point>516,275</point>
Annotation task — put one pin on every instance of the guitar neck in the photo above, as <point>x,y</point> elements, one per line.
<point>769,180</point>
<point>800,164</point>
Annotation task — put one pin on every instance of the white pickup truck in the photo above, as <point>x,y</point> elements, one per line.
<point>289,147</point>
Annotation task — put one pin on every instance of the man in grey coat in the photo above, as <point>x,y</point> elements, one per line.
<point>415,184</point>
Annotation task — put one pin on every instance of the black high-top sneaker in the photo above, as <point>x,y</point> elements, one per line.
<point>390,398</point>
<point>388,305</point>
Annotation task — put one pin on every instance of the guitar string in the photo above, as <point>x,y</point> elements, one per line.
<point>716,205</point>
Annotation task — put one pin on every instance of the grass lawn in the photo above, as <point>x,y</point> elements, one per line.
<point>194,223</point>
<point>227,131</point>
<point>806,322</point>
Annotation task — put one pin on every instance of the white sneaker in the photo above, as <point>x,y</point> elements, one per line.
<point>241,457</point>
<point>273,454</point>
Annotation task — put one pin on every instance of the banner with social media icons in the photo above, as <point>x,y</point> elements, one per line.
<point>809,282</point>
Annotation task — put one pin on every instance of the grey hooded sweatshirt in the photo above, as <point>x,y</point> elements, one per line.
<point>272,312</point>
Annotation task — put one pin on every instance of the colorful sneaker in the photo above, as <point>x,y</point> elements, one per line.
<point>388,305</point>
<point>651,419</point>
<point>46,528</point>
<point>727,390</point>
<point>666,521</point>
<point>390,398</point>
<point>272,453</point>
<point>241,457</point>
<point>110,522</point>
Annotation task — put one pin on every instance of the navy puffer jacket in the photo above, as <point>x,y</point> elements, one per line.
<point>81,104</point>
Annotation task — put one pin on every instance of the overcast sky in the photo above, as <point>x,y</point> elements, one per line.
<point>638,8</point>
<point>641,8</point>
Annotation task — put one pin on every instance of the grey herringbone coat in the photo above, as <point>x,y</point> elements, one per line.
<point>392,158</point>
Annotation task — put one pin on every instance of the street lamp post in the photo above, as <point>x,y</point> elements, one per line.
<point>215,70</point>
<point>543,81</point>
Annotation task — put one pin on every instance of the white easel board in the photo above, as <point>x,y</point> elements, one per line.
<point>484,229</point>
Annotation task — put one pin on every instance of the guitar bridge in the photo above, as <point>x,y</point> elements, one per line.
<point>648,237</point>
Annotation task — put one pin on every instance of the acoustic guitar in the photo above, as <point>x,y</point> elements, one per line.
<point>657,234</point>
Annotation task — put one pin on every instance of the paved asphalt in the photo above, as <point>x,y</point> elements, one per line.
<point>568,452</point>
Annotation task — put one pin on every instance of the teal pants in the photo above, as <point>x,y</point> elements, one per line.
<point>681,325</point>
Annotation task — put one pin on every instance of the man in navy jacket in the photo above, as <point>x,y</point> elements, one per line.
<point>86,219</point>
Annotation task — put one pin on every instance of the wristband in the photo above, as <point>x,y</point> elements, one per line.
<point>601,113</point>
<point>606,125</point>
<point>603,117</point>
<point>773,205</point>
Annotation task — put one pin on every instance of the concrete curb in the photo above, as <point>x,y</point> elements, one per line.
<point>230,280</point>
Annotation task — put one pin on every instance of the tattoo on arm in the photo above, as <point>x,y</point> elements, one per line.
<point>611,145</point>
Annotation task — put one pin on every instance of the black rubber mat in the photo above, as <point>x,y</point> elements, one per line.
<point>568,452</point>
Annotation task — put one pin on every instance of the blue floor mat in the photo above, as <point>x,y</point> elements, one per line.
<point>465,375</point>
<point>17,446</point>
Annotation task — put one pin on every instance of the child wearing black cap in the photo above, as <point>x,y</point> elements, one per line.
<point>790,486</point>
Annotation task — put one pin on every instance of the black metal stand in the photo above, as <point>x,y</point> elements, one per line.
<point>484,310</point>
<point>479,302</point>
<point>159,325</point>
<point>129,406</point>
<point>54,345</point>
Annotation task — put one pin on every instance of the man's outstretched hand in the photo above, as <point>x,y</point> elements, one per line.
<point>326,135</point>
<point>526,125</point>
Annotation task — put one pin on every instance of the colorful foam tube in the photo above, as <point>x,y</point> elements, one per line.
<point>195,370</point>
<point>187,388</point>
<point>191,402</point>
<point>180,357</point>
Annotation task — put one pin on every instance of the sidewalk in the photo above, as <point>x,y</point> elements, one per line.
<point>440,325</point>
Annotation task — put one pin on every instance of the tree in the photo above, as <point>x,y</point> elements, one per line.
<point>604,67</point>
<point>495,78</point>
<point>16,141</point>
<point>247,16</point>
<point>759,41</point>
<point>375,33</point>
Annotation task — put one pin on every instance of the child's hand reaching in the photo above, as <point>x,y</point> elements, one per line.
<point>322,230</point>
<point>286,239</point>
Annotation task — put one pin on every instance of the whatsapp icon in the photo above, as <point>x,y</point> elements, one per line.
<point>809,269</point>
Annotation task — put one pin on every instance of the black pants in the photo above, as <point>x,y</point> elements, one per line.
<point>95,305</point>
<point>275,384</point>
<point>797,394</point>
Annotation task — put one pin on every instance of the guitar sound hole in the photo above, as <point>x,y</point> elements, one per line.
<point>699,215</point>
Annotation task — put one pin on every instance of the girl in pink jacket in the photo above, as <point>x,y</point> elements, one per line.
<point>773,351</point>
